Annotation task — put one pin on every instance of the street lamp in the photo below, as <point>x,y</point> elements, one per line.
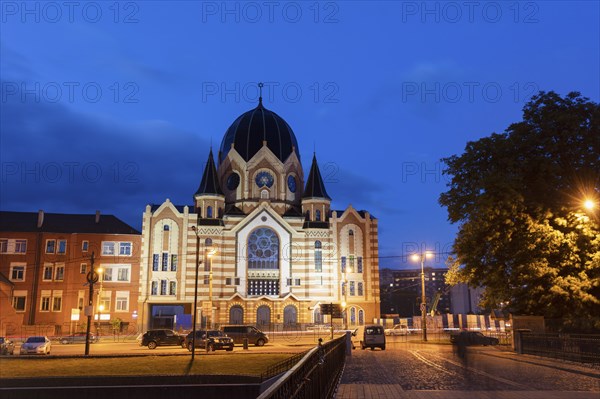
<point>589,204</point>
<point>210,284</point>
<point>100,272</point>
<point>198,262</point>
<point>422,257</point>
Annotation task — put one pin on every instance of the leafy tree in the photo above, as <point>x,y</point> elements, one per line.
<point>517,198</point>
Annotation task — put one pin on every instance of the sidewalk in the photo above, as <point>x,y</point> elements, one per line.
<point>394,391</point>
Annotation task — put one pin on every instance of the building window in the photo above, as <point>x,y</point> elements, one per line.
<point>155,262</point>
<point>352,291</point>
<point>297,282</point>
<point>163,287</point>
<point>48,273</point>
<point>263,249</point>
<point>165,262</point>
<point>361,317</point>
<point>108,248</point>
<point>209,212</point>
<point>232,281</point>
<point>172,288</point>
<point>166,227</point>
<point>353,316</point>
<point>206,280</point>
<point>318,257</point>
<point>343,264</point>
<point>62,247</point>
<point>173,263</point>
<point>308,215</point>
<point>123,274</point>
<point>359,264</point>
<point>122,301</point>
<point>351,263</point>
<point>125,248</point>
<point>84,246</point>
<point>17,273</point>
<point>208,242</point>
<point>104,302</point>
<point>20,246</point>
<point>154,288</point>
<point>264,194</point>
<point>50,246</point>
<point>59,273</point>
<point>57,302</point>
<point>360,288</point>
<point>45,304</point>
<point>3,246</point>
<point>318,215</point>
<point>343,289</point>
<point>107,274</point>
<point>18,302</point>
<point>82,268</point>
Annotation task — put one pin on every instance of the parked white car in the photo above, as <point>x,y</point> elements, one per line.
<point>37,345</point>
<point>398,329</point>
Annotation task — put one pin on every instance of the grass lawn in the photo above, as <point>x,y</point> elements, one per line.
<point>224,364</point>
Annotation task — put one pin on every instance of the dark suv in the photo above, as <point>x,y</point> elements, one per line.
<point>154,338</point>
<point>216,340</point>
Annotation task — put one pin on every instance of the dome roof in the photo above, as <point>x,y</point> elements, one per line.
<point>250,129</point>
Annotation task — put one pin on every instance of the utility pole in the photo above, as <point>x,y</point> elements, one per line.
<point>92,277</point>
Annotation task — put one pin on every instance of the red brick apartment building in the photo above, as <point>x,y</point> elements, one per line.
<point>44,260</point>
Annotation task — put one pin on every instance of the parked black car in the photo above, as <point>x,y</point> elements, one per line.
<point>472,338</point>
<point>7,347</point>
<point>216,340</point>
<point>154,338</point>
<point>78,337</point>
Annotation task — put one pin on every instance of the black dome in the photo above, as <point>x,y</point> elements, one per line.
<point>250,129</point>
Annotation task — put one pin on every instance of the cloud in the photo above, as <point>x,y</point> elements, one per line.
<point>56,159</point>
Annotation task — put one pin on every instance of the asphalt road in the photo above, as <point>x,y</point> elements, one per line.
<point>416,366</point>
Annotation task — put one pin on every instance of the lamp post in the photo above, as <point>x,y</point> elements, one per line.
<point>195,292</point>
<point>100,272</point>
<point>210,285</point>
<point>423,298</point>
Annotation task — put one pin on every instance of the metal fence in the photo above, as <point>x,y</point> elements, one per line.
<point>316,375</point>
<point>577,348</point>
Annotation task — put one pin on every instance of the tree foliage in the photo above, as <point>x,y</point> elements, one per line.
<point>517,198</point>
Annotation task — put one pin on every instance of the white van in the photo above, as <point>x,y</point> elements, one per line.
<point>373,337</point>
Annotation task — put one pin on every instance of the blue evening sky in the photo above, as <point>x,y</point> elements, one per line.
<point>114,105</point>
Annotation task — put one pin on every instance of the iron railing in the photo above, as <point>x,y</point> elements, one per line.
<point>578,348</point>
<point>315,376</point>
<point>282,366</point>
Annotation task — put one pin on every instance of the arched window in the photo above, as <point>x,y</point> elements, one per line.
<point>351,245</point>
<point>290,315</point>
<point>318,215</point>
<point>307,218</point>
<point>236,315</point>
<point>351,233</point>
<point>361,317</point>
<point>264,194</point>
<point>166,227</point>
<point>209,212</point>
<point>318,256</point>
<point>208,242</point>
<point>317,315</point>
<point>263,249</point>
<point>263,315</point>
<point>353,316</point>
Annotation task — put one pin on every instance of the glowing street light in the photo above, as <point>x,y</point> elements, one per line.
<point>421,257</point>
<point>589,204</point>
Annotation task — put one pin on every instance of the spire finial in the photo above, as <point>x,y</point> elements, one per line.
<point>260,86</point>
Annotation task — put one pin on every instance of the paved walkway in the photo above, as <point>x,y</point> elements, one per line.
<point>394,391</point>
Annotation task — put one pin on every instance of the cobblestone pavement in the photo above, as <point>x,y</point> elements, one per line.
<point>410,370</point>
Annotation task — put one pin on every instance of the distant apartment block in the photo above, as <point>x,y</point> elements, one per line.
<point>401,291</point>
<point>46,257</point>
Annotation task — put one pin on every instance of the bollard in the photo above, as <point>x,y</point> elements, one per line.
<point>349,345</point>
<point>246,343</point>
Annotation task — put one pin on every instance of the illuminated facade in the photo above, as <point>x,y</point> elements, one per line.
<point>271,249</point>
